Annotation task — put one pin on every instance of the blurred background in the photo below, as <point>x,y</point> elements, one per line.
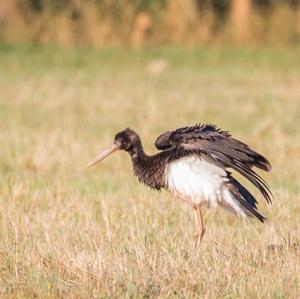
<point>72,74</point>
<point>150,22</point>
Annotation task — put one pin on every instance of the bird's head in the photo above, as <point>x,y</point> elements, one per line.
<point>127,140</point>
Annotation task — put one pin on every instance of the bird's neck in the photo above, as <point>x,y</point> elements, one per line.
<point>137,153</point>
<point>148,169</point>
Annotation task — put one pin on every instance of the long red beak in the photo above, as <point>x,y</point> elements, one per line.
<point>104,154</point>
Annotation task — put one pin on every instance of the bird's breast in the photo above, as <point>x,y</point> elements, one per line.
<point>196,179</point>
<point>150,172</point>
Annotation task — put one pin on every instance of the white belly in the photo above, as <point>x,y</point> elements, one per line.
<point>196,180</point>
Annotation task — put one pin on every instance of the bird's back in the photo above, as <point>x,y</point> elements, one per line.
<point>198,159</point>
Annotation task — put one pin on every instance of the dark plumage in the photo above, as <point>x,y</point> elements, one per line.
<point>210,141</point>
<point>193,163</point>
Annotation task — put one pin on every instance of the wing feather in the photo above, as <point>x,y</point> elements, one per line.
<point>210,141</point>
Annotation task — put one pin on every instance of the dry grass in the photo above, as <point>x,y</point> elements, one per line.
<point>69,232</point>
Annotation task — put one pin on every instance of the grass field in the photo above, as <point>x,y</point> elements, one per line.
<point>71,232</point>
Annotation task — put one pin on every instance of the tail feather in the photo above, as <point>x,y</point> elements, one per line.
<point>245,198</point>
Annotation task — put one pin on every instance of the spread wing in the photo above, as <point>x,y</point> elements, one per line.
<point>210,141</point>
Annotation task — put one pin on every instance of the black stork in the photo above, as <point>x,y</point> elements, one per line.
<point>193,164</point>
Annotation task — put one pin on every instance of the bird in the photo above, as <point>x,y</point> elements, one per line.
<point>195,164</point>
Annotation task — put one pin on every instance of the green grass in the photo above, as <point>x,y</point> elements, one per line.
<point>69,231</point>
